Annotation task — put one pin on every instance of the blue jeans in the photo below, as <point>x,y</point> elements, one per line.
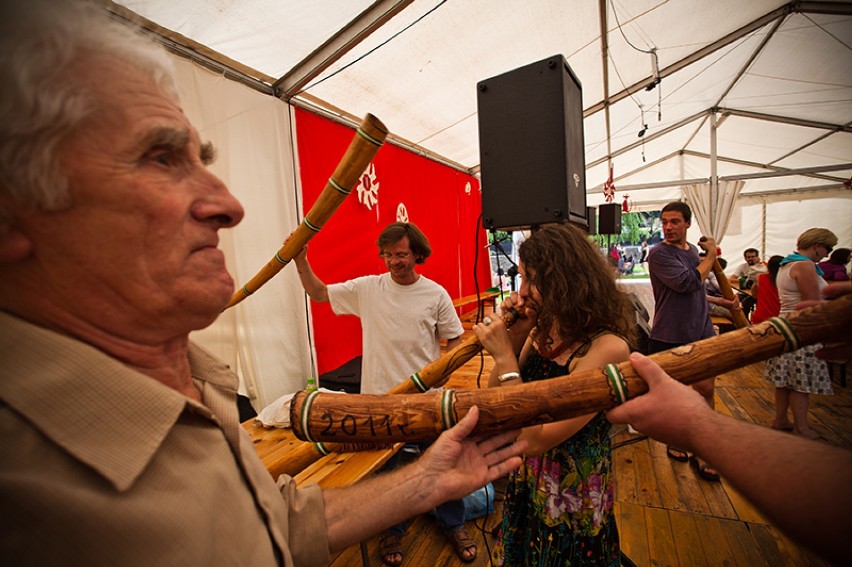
<point>450,514</point>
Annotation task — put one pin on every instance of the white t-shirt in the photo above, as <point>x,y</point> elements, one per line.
<point>401,324</point>
<point>751,272</point>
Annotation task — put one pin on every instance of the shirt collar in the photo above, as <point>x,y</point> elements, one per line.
<point>100,411</point>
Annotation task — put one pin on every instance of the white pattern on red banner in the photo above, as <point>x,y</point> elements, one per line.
<point>401,213</point>
<point>368,188</point>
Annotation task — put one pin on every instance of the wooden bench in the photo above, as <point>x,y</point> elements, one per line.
<point>483,299</point>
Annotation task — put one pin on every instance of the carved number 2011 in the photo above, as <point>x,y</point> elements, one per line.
<point>348,424</point>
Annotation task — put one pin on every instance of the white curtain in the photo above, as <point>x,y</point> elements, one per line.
<point>713,218</point>
<point>264,338</point>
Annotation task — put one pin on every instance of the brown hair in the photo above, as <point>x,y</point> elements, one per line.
<point>814,236</point>
<point>578,292</point>
<point>679,207</point>
<point>773,265</point>
<point>418,242</point>
<point>840,256</point>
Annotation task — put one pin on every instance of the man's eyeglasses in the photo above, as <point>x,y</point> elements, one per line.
<point>399,255</point>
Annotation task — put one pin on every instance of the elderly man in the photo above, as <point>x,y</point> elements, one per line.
<point>120,438</point>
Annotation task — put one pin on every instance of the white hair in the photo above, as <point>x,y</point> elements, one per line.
<point>41,100</point>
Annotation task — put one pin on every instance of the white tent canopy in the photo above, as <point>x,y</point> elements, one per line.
<point>765,86</point>
<point>757,94</point>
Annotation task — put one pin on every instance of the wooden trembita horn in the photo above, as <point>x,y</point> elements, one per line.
<point>369,137</point>
<point>302,455</point>
<point>364,418</point>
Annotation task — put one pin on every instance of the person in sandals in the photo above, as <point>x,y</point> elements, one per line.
<point>681,312</point>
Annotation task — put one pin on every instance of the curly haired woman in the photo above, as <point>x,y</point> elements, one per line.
<point>559,505</point>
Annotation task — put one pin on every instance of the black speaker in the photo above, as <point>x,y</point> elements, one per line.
<point>609,219</point>
<point>592,220</point>
<point>531,147</point>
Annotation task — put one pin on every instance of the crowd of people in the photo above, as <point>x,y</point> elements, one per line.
<point>121,439</point>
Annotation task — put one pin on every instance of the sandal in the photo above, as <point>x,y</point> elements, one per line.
<point>705,471</point>
<point>391,549</point>
<point>462,542</point>
<point>677,454</point>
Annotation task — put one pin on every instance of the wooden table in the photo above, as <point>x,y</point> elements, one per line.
<point>747,291</point>
<point>334,470</point>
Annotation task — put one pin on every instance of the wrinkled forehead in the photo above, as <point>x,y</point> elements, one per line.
<point>132,105</point>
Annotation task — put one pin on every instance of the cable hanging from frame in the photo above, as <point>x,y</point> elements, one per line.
<point>655,74</point>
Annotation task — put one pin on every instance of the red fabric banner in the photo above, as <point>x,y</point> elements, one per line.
<point>398,185</point>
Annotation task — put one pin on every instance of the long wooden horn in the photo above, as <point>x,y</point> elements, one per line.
<point>421,417</point>
<point>306,453</point>
<point>369,137</point>
<point>436,371</point>
<point>737,315</point>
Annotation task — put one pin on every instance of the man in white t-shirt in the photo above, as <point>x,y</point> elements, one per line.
<point>403,317</point>
<point>751,268</point>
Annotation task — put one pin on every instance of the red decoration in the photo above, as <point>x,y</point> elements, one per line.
<point>609,188</point>
<point>439,200</point>
<point>626,205</point>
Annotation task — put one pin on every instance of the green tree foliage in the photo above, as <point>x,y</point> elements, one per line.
<point>632,229</point>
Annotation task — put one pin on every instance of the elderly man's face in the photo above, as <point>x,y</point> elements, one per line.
<point>137,251</point>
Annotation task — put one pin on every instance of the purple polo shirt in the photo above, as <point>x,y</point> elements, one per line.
<point>680,304</point>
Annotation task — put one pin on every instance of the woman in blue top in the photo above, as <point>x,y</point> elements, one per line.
<point>559,505</point>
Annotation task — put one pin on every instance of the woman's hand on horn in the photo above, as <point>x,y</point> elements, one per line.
<point>523,325</point>
<point>494,337</point>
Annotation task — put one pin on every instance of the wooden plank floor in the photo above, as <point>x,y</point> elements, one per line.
<point>666,515</point>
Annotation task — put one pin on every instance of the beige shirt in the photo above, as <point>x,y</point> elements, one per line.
<point>102,465</point>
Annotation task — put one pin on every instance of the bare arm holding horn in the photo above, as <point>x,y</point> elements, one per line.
<point>765,465</point>
<point>369,137</point>
<point>314,287</point>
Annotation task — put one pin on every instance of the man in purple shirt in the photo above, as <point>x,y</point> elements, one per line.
<point>680,303</point>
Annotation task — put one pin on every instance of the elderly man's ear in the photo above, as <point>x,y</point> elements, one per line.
<point>14,244</point>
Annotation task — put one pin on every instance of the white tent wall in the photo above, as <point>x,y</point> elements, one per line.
<point>264,338</point>
<point>785,218</point>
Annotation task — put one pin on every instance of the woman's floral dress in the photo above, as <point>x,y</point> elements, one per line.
<point>558,506</point>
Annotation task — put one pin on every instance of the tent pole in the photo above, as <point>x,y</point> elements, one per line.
<point>763,229</point>
<point>714,179</point>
